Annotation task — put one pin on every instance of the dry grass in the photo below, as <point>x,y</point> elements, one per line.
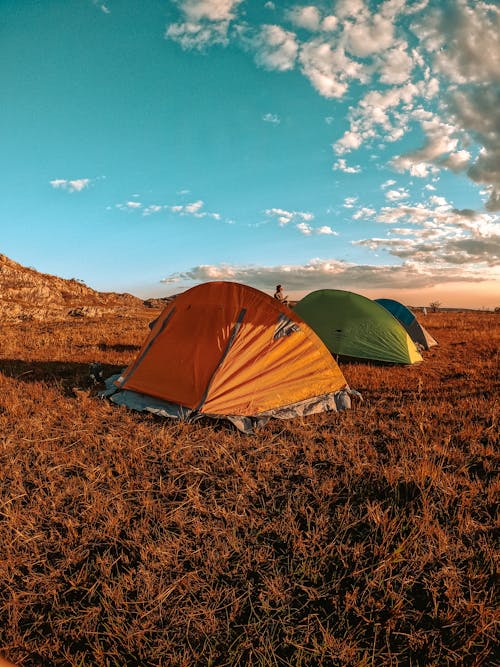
<point>365,538</point>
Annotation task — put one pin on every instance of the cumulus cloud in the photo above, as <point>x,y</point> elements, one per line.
<point>302,221</point>
<point>304,228</point>
<point>193,209</point>
<point>369,35</point>
<point>387,112</point>
<point>284,217</point>
<point>341,165</point>
<point>76,185</point>
<point>397,195</point>
<point>212,10</point>
<point>152,208</point>
<point>364,213</point>
<point>439,149</point>
<point>205,23</point>
<point>328,68</point>
<point>326,230</point>
<point>274,48</point>
<point>395,65</point>
<point>329,23</point>
<point>197,35</point>
<point>349,202</point>
<point>307,17</point>
<point>325,273</point>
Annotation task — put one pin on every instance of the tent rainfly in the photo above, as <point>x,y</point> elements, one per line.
<point>417,332</point>
<point>225,350</point>
<point>353,326</point>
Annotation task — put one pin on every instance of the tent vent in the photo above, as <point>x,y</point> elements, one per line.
<point>285,327</point>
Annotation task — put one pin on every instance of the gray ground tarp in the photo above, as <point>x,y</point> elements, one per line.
<point>334,402</point>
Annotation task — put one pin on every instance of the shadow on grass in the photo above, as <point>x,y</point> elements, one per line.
<point>67,374</point>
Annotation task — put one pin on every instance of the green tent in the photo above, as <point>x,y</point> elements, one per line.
<point>353,326</point>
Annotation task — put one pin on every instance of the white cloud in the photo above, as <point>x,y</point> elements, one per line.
<point>438,201</point>
<point>304,228</point>
<point>341,165</point>
<point>76,185</point>
<point>388,183</point>
<point>397,195</point>
<point>349,202</point>
<point>192,35</point>
<point>440,148</point>
<point>388,111</point>
<point>327,230</point>
<point>211,10</point>
<point>133,204</point>
<point>365,33</point>
<point>284,217</point>
<point>350,141</point>
<point>275,48</point>
<point>364,213</point>
<point>152,208</point>
<point>272,118</point>
<point>307,17</point>
<point>194,207</point>
<point>350,8</point>
<point>329,23</point>
<point>206,22</point>
<point>395,66</point>
<point>458,161</point>
<point>328,68</point>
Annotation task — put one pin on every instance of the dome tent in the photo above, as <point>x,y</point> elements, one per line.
<point>352,325</point>
<point>404,315</point>
<point>222,349</point>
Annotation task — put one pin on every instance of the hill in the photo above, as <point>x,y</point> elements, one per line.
<point>27,294</point>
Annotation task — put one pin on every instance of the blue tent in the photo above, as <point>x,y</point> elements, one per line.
<point>415,330</point>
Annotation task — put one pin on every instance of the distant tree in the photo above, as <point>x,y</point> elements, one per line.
<point>435,306</point>
<point>497,309</point>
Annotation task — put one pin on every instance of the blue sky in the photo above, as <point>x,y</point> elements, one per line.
<point>150,145</point>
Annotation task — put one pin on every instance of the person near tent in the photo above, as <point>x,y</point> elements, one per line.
<point>280,296</point>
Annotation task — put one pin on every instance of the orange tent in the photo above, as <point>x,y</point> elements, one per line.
<point>227,350</point>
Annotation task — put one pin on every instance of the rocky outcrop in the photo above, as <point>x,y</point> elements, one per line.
<point>159,302</point>
<point>27,294</point>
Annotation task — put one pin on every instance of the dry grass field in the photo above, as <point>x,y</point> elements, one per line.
<point>360,538</point>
